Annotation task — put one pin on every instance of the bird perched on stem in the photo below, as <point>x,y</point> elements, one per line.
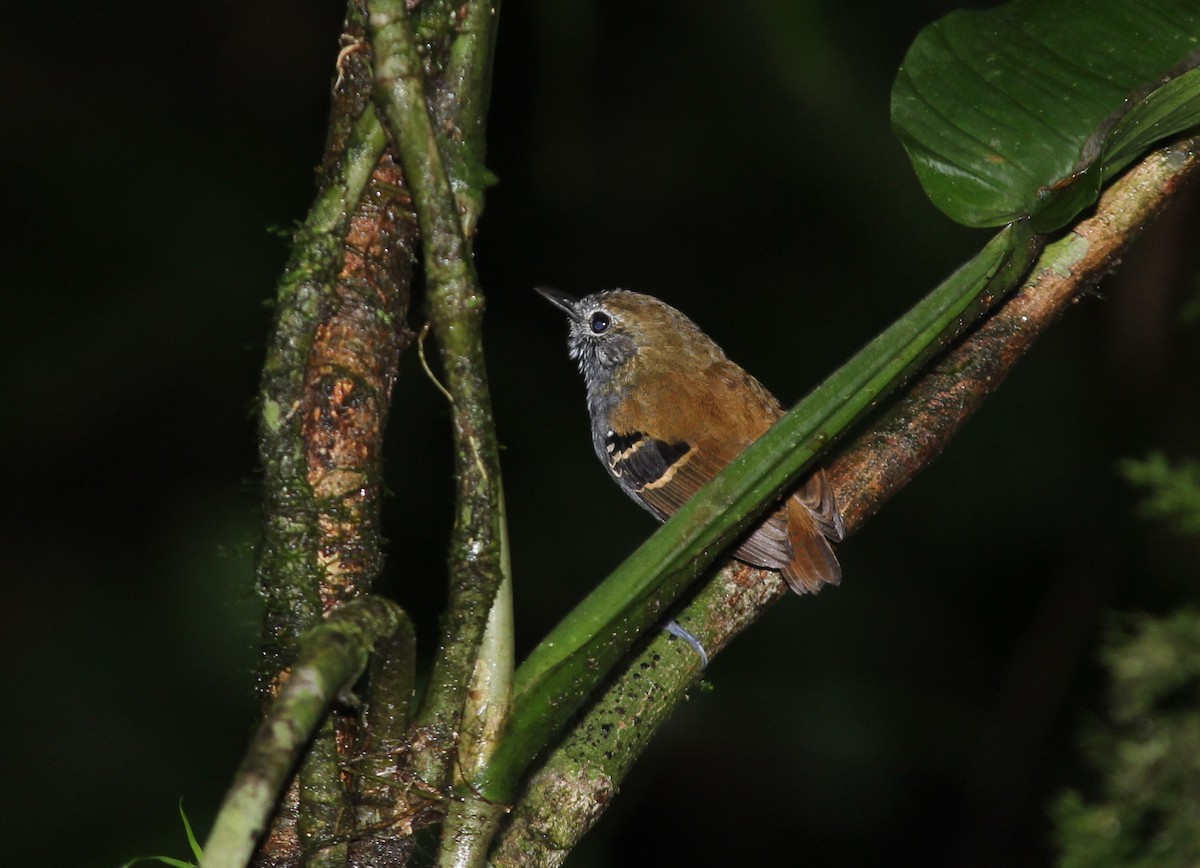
<point>669,410</point>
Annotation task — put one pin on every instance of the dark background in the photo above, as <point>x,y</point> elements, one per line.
<point>736,162</point>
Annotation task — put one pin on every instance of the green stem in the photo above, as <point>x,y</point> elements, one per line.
<point>477,562</point>
<point>460,105</point>
<point>472,822</point>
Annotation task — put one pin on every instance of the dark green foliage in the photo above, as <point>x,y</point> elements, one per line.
<point>1173,492</point>
<point>1029,108</point>
<point>1147,751</point>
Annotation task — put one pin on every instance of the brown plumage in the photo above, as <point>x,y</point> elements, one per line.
<point>669,410</point>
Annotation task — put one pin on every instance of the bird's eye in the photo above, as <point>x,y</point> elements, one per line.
<point>600,322</point>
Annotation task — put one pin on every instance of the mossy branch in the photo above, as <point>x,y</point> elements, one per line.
<point>331,363</point>
<point>331,658</point>
<point>478,561</point>
<point>325,394</point>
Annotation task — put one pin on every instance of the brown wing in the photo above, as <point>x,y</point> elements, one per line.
<point>661,476</point>
<point>703,424</point>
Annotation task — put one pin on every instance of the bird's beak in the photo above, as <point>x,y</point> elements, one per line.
<point>560,300</point>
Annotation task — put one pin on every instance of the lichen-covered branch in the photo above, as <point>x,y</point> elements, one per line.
<point>331,359</point>
<point>573,787</point>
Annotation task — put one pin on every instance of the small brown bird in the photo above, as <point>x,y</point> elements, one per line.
<point>669,411</point>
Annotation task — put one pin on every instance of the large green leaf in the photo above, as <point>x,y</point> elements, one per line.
<point>1027,109</point>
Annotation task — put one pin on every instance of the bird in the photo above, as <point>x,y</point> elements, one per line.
<point>669,410</point>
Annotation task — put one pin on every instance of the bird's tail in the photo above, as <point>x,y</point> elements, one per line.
<point>813,521</point>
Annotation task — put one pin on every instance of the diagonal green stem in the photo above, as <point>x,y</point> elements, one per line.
<point>563,670</point>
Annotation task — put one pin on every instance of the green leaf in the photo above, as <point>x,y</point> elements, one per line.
<point>191,836</point>
<point>168,860</point>
<point>1169,109</point>
<point>1027,109</point>
<point>556,679</point>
